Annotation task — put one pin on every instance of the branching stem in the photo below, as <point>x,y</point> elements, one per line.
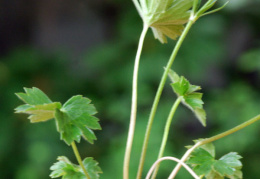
<point>158,95</point>
<point>211,139</point>
<point>166,133</point>
<point>134,105</point>
<point>76,152</point>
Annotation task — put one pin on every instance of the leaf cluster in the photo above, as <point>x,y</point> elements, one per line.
<point>74,119</point>
<point>190,97</point>
<point>204,163</point>
<point>67,170</point>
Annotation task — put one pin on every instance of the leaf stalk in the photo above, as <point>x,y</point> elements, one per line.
<point>76,152</point>
<point>166,133</point>
<point>134,105</point>
<point>158,95</point>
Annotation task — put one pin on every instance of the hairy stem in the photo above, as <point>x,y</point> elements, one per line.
<point>211,139</point>
<point>157,97</point>
<point>134,106</point>
<point>76,152</point>
<point>166,133</point>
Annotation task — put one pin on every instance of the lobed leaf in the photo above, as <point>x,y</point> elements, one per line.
<point>204,163</point>
<point>34,96</point>
<point>75,119</point>
<point>191,98</point>
<point>166,17</point>
<point>67,170</point>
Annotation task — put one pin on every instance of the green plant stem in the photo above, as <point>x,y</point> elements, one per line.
<point>166,133</point>
<point>76,152</point>
<point>158,95</point>
<point>211,139</point>
<point>134,105</point>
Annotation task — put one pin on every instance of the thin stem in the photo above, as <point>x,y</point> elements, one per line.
<point>134,105</point>
<point>76,152</point>
<point>211,139</point>
<point>157,97</point>
<point>166,133</point>
<point>176,160</point>
<point>231,131</point>
<point>183,159</point>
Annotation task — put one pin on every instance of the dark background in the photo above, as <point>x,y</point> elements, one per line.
<point>88,47</point>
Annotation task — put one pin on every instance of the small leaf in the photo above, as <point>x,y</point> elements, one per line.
<point>39,113</point>
<point>204,163</point>
<point>181,87</point>
<point>166,18</point>
<point>67,170</point>
<point>92,167</point>
<point>192,99</point>
<point>39,106</point>
<point>75,119</point>
<point>34,96</point>
<point>232,159</point>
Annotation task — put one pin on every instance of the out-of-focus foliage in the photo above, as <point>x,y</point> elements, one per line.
<point>217,55</point>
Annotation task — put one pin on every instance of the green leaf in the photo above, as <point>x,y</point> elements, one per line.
<point>191,98</point>
<point>181,87</point>
<point>34,96</point>
<point>166,18</point>
<point>67,170</point>
<point>92,167</point>
<point>204,163</point>
<point>39,106</point>
<point>75,119</point>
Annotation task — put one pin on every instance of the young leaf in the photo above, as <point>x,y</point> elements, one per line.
<point>39,113</point>
<point>67,170</point>
<point>34,96</point>
<point>75,119</point>
<point>205,164</point>
<point>39,106</point>
<point>166,18</point>
<point>192,99</point>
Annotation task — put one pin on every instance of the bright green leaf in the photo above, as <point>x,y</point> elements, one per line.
<point>191,98</point>
<point>75,119</point>
<point>34,96</point>
<point>181,87</point>
<point>67,170</point>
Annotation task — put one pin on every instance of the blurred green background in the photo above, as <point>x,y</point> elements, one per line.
<point>88,47</point>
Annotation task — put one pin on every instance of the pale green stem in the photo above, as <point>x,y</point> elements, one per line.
<point>211,139</point>
<point>134,106</point>
<point>157,97</point>
<point>76,152</point>
<point>166,133</point>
